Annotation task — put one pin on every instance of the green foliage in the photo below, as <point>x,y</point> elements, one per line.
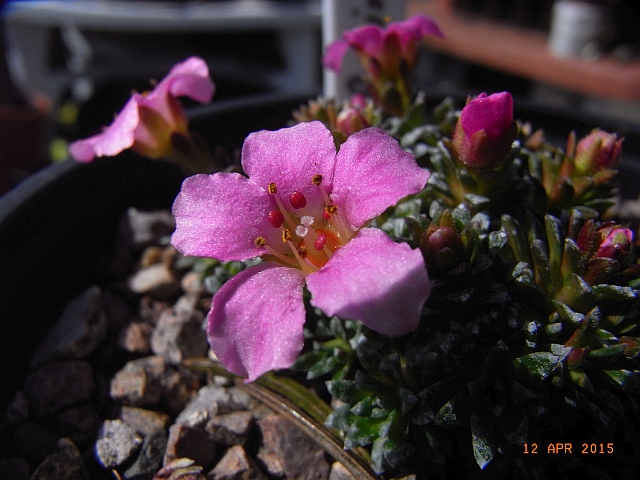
<point>531,332</point>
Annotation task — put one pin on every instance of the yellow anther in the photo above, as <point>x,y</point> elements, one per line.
<point>286,235</point>
<point>316,179</point>
<point>272,188</point>
<point>260,242</point>
<point>302,251</point>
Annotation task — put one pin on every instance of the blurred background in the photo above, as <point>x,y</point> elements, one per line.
<point>68,66</point>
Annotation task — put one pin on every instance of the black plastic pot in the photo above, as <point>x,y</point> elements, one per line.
<point>55,224</point>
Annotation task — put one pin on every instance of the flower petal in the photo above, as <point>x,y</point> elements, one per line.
<point>256,320</point>
<point>114,139</point>
<point>366,39</point>
<point>372,173</point>
<point>414,29</point>
<point>374,280</point>
<point>290,157</point>
<point>492,113</point>
<point>220,216</point>
<point>334,55</point>
<point>190,79</point>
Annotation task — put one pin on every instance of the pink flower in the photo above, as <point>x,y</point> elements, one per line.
<point>149,120</point>
<point>387,55</point>
<point>387,46</point>
<point>597,151</point>
<point>485,131</point>
<point>304,210</point>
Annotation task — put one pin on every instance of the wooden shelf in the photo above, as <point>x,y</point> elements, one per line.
<point>524,52</point>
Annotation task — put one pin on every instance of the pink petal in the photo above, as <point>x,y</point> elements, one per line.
<point>372,173</point>
<point>334,55</point>
<point>492,113</point>
<point>414,29</point>
<point>290,157</point>
<point>191,79</point>
<point>220,216</point>
<point>256,321</point>
<point>374,280</point>
<point>367,39</point>
<point>114,139</point>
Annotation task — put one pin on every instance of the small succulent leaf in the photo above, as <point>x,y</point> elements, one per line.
<point>614,293</point>
<point>576,293</point>
<point>391,368</point>
<point>580,378</point>
<point>555,244</point>
<point>607,354</point>
<point>407,400</point>
<point>553,329</point>
<point>324,366</point>
<point>516,428</point>
<point>345,391</point>
<point>364,407</point>
<point>605,336</point>
<point>561,351</point>
<point>568,315</point>
<point>572,259</point>
<point>541,263</point>
<point>362,431</point>
<point>461,216</point>
<point>340,418</point>
<point>537,364</point>
<point>531,335</point>
<point>626,379</point>
<point>448,415</point>
<point>484,448</point>
<point>518,244</point>
<point>497,240</point>
<point>337,328</point>
<point>587,330</point>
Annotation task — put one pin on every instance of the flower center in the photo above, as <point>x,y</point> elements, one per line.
<point>308,241</point>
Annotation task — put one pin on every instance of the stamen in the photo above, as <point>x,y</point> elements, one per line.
<point>304,266</point>
<point>260,242</point>
<point>276,219</point>
<point>325,197</point>
<point>328,211</point>
<point>286,235</point>
<point>298,200</point>
<point>302,231</point>
<point>274,191</point>
<point>272,188</point>
<point>316,179</point>
<point>282,257</point>
<point>302,251</point>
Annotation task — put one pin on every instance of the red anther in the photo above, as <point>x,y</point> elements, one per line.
<point>276,218</point>
<point>297,200</point>
<point>320,241</point>
<point>328,211</point>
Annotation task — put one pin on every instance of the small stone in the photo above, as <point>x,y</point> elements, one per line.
<point>81,424</point>
<point>57,385</point>
<point>147,228</point>
<point>236,465</point>
<point>65,463</point>
<point>180,386</point>
<point>156,280</point>
<point>192,283</point>
<point>136,338</point>
<point>150,309</point>
<point>145,422</point>
<point>189,442</point>
<point>149,458</point>
<point>180,469</point>
<point>287,451</point>
<point>117,442</point>
<point>179,335</point>
<point>230,429</point>
<point>80,328</point>
<point>139,382</point>
<point>339,472</point>
<point>213,400</point>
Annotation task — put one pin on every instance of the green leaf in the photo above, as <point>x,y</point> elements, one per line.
<point>607,354</point>
<point>484,448</point>
<point>363,431</point>
<point>627,379</point>
<point>538,364</point>
<point>555,244</point>
<point>614,292</point>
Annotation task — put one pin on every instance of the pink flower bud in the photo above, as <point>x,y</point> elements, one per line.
<point>485,131</point>
<point>616,243</point>
<point>597,151</point>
